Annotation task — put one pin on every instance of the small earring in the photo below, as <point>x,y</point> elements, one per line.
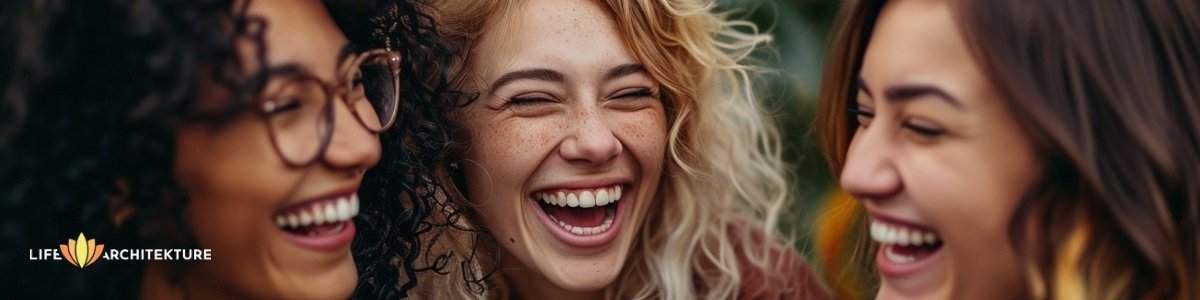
<point>454,166</point>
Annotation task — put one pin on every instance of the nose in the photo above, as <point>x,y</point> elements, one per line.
<point>591,140</point>
<point>870,171</point>
<point>351,146</point>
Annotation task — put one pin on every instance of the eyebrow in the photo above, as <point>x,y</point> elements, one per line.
<point>623,70</point>
<point>544,74</point>
<point>911,92</point>
<point>534,74</point>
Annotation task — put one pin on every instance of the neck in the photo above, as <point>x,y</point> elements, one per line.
<point>160,280</point>
<point>527,284</point>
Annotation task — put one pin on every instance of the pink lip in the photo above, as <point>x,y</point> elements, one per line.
<point>897,221</point>
<point>582,241</point>
<point>339,241</point>
<point>892,270</point>
<point>582,184</point>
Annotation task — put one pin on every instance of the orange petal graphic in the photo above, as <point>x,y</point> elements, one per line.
<point>62,248</point>
<point>98,250</point>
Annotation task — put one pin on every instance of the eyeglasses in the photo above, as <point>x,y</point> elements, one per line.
<point>299,114</point>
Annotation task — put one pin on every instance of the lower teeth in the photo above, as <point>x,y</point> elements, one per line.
<point>891,255</point>
<point>609,215</point>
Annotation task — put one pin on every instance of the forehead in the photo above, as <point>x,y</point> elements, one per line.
<point>918,41</point>
<point>298,32</point>
<point>549,33</point>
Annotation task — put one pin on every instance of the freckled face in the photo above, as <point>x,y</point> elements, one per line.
<point>567,143</point>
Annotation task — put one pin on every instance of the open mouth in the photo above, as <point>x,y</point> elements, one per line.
<point>903,249</point>
<point>324,224</point>
<point>581,217</point>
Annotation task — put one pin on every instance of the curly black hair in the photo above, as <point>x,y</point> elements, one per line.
<point>92,89</point>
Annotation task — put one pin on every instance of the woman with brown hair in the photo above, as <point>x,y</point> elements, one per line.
<point>1015,149</point>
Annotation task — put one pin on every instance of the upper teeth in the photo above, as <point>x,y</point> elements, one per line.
<point>320,212</point>
<point>585,199</point>
<point>895,234</point>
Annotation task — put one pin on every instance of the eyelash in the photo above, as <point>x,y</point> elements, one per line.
<point>920,130</point>
<point>638,93</point>
<point>289,104</point>
<point>518,100</point>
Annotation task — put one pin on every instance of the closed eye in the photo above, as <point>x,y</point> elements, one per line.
<point>634,93</point>
<point>529,99</point>
<point>862,115</point>
<point>285,105</point>
<point>927,131</point>
<point>531,104</point>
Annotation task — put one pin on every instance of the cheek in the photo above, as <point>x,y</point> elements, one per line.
<point>234,182</point>
<point>505,153</point>
<point>961,192</point>
<point>644,134</point>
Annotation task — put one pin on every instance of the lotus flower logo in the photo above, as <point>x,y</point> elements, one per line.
<point>81,252</point>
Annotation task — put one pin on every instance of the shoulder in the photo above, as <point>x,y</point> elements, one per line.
<point>782,274</point>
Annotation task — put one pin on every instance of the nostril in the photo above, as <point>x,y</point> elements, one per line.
<point>593,146</point>
<point>870,179</point>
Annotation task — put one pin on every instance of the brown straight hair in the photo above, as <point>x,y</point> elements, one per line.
<point>1109,92</point>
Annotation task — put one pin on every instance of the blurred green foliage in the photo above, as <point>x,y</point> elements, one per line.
<point>800,29</point>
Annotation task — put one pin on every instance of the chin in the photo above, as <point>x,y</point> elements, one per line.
<point>583,280</point>
<point>336,284</point>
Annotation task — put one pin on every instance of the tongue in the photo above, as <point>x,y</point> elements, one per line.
<point>318,230</point>
<point>578,217</point>
<point>917,252</point>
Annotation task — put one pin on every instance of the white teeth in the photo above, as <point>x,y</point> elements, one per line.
<point>321,212</point>
<point>890,234</point>
<point>583,199</point>
<point>305,218</point>
<point>572,200</point>
<point>587,200</point>
<point>343,209</point>
<point>331,211</point>
<point>318,217</point>
<point>602,197</point>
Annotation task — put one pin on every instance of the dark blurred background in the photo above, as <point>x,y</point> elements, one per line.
<point>800,29</point>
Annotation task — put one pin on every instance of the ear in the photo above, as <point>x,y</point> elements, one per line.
<point>119,206</point>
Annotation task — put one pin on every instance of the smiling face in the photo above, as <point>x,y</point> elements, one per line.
<point>938,161</point>
<point>276,231</point>
<point>567,141</point>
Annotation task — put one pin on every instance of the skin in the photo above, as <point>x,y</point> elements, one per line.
<point>236,182</point>
<point>584,129</point>
<point>956,164</point>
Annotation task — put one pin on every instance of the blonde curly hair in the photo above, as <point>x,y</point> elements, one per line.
<point>724,185</point>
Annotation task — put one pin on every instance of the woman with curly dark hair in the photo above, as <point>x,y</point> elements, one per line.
<point>244,127</point>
